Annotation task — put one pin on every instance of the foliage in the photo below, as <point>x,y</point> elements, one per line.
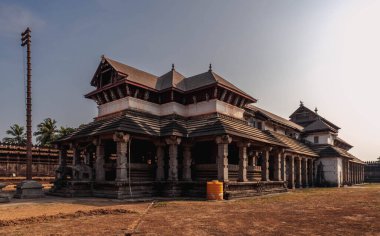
<point>64,131</point>
<point>46,132</point>
<point>17,136</point>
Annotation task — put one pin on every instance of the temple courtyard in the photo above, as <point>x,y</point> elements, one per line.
<point>315,211</point>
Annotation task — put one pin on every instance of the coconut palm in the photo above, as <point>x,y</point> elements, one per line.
<point>64,131</point>
<point>46,132</point>
<point>17,135</point>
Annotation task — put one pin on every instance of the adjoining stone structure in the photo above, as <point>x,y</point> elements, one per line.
<point>167,135</point>
<point>372,172</point>
<point>13,160</point>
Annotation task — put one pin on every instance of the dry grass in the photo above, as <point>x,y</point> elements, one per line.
<point>344,211</point>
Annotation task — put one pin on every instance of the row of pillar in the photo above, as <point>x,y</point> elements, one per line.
<point>356,173</point>
<point>300,171</point>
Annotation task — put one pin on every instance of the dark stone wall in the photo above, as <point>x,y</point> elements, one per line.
<point>372,172</point>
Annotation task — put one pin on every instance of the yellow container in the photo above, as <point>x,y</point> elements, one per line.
<point>215,190</point>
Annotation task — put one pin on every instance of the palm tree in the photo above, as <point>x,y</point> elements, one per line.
<point>46,132</point>
<point>18,137</point>
<point>64,131</point>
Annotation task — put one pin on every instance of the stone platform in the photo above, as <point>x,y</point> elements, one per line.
<point>150,189</point>
<point>29,189</point>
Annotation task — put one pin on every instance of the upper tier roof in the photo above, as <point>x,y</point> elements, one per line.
<point>312,118</point>
<point>275,117</point>
<point>319,125</point>
<point>171,79</point>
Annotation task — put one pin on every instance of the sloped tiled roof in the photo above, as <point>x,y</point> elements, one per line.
<point>133,74</point>
<point>326,150</point>
<point>319,125</point>
<point>172,79</point>
<point>304,108</point>
<point>342,141</point>
<point>209,78</point>
<point>294,145</point>
<point>142,123</point>
<point>275,117</point>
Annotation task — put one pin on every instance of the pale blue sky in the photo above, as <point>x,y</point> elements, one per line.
<point>325,53</point>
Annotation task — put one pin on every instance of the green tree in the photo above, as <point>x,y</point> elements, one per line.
<point>46,132</point>
<point>17,135</point>
<point>64,131</point>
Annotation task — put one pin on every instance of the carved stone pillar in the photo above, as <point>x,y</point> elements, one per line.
<point>283,166</point>
<point>277,166</point>
<point>243,161</point>
<point>173,143</point>
<point>298,172</point>
<point>121,140</point>
<point>292,183</point>
<point>265,165</point>
<point>76,160</point>
<point>186,173</point>
<point>99,163</point>
<point>222,161</point>
<point>160,173</point>
<point>311,172</point>
<point>62,156</point>
<point>305,175</point>
<point>76,155</point>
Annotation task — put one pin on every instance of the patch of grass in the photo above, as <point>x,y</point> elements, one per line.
<point>160,204</point>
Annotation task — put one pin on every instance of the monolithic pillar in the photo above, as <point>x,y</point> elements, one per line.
<point>99,163</point>
<point>277,166</point>
<point>76,160</point>
<point>298,172</point>
<point>76,155</point>
<point>243,161</point>
<point>121,140</point>
<point>160,173</point>
<point>222,161</point>
<point>173,143</point>
<point>291,174</point>
<point>311,172</point>
<point>62,156</point>
<point>186,173</point>
<point>305,173</point>
<point>265,165</point>
<point>283,166</point>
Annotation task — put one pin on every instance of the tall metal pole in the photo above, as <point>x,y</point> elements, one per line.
<point>25,39</point>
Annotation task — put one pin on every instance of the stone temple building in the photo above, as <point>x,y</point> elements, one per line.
<point>167,135</point>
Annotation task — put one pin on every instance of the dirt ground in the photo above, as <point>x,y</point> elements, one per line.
<point>327,211</point>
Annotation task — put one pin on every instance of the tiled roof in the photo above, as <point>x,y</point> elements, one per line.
<point>294,145</point>
<point>134,75</point>
<point>142,123</point>
<point>342,141</point>
<point>319,125</point>
<point>172,79</point>
<point>326,150</point>
<point>275,117</point>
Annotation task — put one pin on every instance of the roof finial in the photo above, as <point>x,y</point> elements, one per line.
<point>210,68</point>
<point>172,66</point>
<point>316,110</point>
<point>301,103</point>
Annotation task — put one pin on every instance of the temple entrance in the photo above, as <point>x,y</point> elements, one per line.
<point>204,156</point>
<point>142,164</point>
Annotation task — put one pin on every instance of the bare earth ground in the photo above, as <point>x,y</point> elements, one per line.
<point>327,211</point>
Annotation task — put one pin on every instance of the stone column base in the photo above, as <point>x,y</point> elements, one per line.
<point>29,189</point>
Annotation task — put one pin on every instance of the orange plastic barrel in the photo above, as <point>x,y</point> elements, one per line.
<point>215,190</point>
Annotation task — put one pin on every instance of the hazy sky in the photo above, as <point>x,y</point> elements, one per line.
<point>325,53</point>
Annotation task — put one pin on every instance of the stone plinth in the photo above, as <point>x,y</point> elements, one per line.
<point>3,197</point>
<point>29,189</point>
